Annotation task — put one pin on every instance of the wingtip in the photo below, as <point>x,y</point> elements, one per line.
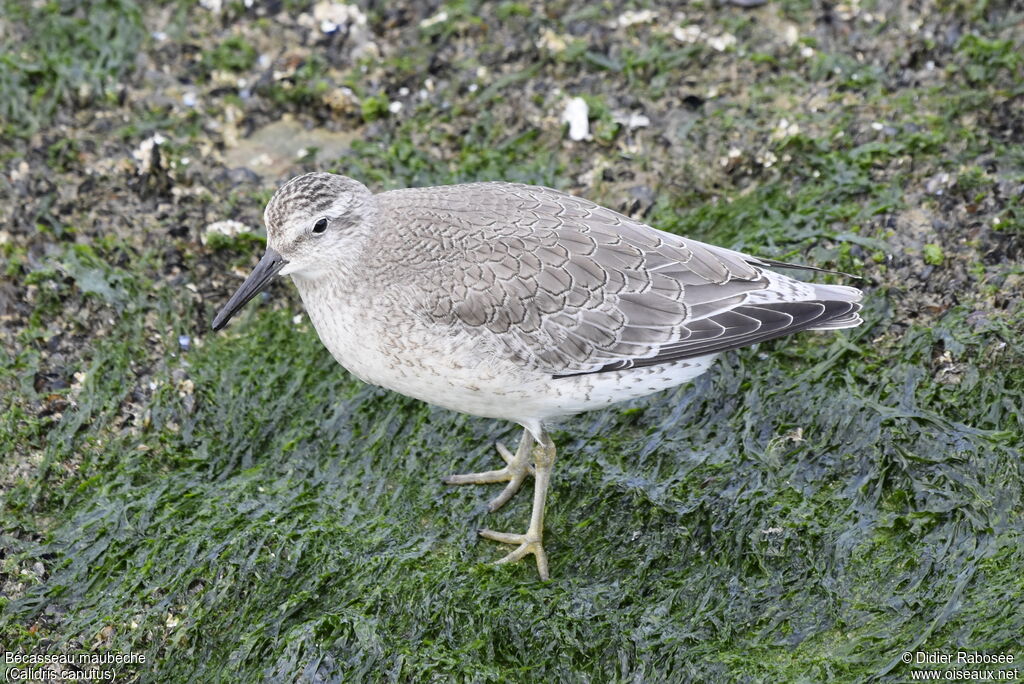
<point>848,319</point>
<point>801,267</point>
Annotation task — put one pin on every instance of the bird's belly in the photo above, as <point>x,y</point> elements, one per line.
<point>457,376</point>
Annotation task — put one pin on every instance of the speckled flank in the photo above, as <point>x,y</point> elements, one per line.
<point>521,302</point>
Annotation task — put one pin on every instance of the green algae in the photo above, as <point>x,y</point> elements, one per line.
<point>807,511</point>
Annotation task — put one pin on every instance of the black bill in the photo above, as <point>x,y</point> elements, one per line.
<point>269,265</point>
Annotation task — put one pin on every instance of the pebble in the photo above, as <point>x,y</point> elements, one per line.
<point>576,114</point>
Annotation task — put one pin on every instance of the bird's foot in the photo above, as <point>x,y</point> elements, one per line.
<point>531,542</point>
<point>517,468</point>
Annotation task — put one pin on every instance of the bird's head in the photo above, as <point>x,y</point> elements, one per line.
<point>312,221</point>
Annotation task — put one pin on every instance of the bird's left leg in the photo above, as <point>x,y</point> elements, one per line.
<point>533,540</point>
<point>514,473</point>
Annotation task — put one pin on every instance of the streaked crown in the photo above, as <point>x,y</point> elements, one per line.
<point>311,194</point>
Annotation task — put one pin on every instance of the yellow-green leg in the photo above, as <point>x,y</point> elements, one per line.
<point>517,468</point>
<point>532,541</point>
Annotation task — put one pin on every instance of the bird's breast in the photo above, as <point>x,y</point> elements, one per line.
<point>382,343</point>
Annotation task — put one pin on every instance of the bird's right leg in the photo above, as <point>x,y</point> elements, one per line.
<point>533,540</point>
<point>517,468</point>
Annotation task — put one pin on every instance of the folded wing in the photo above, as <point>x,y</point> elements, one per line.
<point>568,287</point>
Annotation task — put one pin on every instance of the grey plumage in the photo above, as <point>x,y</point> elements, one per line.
<point>520,302</point>
<point>565,286</point>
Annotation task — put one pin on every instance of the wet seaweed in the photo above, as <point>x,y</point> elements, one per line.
<point>238,507</point>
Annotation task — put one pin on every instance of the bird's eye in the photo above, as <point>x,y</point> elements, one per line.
<point>320,226</point>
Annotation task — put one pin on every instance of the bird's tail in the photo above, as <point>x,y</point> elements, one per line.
<point>840,293</point>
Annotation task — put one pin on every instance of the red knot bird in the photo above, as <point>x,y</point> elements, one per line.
<point>521,303</point>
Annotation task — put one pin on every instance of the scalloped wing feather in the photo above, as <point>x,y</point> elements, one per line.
<point>568,287</point>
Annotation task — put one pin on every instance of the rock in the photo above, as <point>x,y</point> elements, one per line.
<point>239,175</point>
<point>229,227</point>
<point>576,115</point>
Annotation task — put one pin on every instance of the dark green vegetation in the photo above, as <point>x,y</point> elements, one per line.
<point>63,59</point>
<point>237,508</point>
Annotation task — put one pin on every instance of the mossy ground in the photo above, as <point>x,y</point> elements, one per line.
<point>236,507</point>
